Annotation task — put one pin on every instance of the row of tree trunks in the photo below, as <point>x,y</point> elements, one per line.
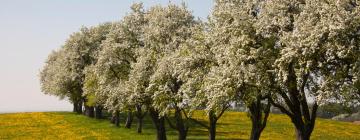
<point>115,119</point>
<point>159,123</point>
<point>255,110</point>
<point>89,111</point>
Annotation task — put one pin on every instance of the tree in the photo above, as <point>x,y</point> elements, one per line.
<point>178,82</point>
<point>165,85</point>
<point>64,73</point>
<point>55,81</point>
<point>165,89</point>
<point>242,59</point>
<point>343,58</point>
<point>115,60</point>
<point>314,37</point>
<point>82,49</point>
<point>92,89</point>
<point>169,94</point>
<point>198,72</point>
<point>165,29</point>
<point>138,81</point>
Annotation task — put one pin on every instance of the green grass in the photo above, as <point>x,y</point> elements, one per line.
<point>232,126</point>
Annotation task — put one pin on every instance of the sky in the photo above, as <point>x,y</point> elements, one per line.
<point>31,29</point>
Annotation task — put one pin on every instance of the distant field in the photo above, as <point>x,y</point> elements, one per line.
<point>233,125</point>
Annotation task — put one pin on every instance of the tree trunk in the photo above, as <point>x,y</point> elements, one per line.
<point>139,125</point>
<point>182,134</point>
<point>212,125</point>
<point>140,117</point>
<point>302,130</point>
<point>212,131</point>
<point>258,122</point>
<point>80,107</point>
<point>255,133</point>
<point>304,123</point>
<point>129,120</point>
<point>117,119</point>
<point>180,127</point>
<point>89,111</point>
<point>159,123</point>
<point>112,119</point>
<point>98,112</point>
<point>302,135</point>
<point>75,105</point>
<point>161,132</point>
<point>86,110</point>
<point>296,104</point>
<point>255,116</point>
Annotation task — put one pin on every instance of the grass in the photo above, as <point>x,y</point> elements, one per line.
<point>232,126</point>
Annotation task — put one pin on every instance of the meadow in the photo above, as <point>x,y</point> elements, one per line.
<point>231,126</point>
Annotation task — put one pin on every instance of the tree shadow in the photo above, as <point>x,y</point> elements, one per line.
<point>196,132</point>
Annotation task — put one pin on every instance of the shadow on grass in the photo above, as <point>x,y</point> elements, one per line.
<point>196,132</point>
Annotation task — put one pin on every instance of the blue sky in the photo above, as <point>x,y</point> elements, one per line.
<point>30,29</point>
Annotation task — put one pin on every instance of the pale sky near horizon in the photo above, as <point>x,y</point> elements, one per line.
<point>31,29</point>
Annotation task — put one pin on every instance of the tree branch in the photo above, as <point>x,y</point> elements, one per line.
<point>303,101</point>
<point>286,99</point>
<point>283,109</point>
<point>222,111</point>
<point>266,112</point>
<point>282,94</point>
